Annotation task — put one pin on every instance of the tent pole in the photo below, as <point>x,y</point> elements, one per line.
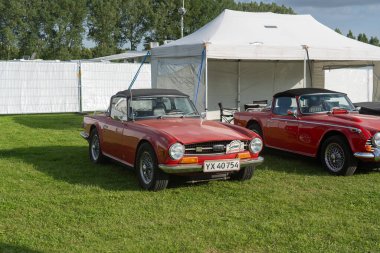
<point>206,82</point>
<point>304,71</point>
<point>238,88</point>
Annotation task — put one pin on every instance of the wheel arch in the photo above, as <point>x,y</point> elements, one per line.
<point>253,121</point>
<point>141,142</point>
<point>92,127</point>
<point>328,135</point>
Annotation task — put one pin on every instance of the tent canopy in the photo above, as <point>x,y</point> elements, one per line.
<point>268,36</point>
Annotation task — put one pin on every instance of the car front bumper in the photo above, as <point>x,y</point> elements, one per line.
<point>186,168</point>
<point>84,135</point>
<point>373,156</point>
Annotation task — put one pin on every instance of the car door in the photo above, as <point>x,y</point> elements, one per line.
<point>282,128</point>
<point>113,128</point>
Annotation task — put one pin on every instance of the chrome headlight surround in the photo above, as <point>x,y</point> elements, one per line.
<point>256,145</point>
<point>376,140</point>
<point>176,151</point>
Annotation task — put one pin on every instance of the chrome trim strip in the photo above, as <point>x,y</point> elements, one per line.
<point>185,168</point>
<point>84,135</point>
<point>317,123</point>
<point>364,155</point>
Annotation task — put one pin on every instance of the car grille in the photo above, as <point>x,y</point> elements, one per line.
<point>209,147</point>
<point>369,143</point>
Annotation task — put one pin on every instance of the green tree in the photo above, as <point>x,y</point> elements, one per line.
<point>351,35</point>
<point>165,23</point>
<point>63,29</point>
<point>135,20</point>
<point>374,41</point>
<point>263,7</point>
<point>103,26</point>
<point>362,37</point>
<point>337,30</point>
<point>9,27</point>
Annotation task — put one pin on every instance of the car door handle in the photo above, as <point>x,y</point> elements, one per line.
<point>105,126</point>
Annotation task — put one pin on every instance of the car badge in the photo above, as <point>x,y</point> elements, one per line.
<point>234,147</point>
<point>198,149</point>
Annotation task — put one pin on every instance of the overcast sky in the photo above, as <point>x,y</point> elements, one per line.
<point>361,16</point>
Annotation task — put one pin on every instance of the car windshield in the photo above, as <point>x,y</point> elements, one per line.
<point>321,103</point>
<point>162,106</point>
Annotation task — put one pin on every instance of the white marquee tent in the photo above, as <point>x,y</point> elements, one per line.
<point>243,56</point>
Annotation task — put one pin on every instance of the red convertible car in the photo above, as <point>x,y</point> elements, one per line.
<point>317,123</point>
<point>159,132</point>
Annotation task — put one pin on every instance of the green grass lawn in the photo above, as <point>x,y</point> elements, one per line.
<point>53,199</point>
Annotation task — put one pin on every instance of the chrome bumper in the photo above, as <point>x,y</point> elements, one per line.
<point>84,135</point>
<point>185,168</point>
<point>372,156</point>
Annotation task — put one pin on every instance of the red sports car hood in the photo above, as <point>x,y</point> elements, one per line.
<point>190,130</point>
<point>366,121</point>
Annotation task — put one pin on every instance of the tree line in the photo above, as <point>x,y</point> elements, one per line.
<point>64,29</point>
<point>83,29</point>
<point>373,40</point>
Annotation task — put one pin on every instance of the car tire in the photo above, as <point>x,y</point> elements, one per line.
<point>149,175</point>
<point>243,174</point>
<point>255,127</point>
<point>94,148</point>
<point>337,157</point>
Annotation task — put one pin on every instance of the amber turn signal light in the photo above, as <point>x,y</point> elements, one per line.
<point>368,148</point>
<point>243,155</point>
<point>189,160</point>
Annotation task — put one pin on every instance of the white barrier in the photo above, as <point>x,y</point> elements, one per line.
<point>38,87</point>
<point>102,80</point>
<point>55,87</point>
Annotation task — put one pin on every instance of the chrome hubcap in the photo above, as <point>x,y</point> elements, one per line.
<point>95,150</point>
<point>146,167</point>
<point>334,157</point>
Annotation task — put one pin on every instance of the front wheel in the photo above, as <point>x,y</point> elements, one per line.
<point>149,175</point>
<point>337,156</point>
<point>243,174</point>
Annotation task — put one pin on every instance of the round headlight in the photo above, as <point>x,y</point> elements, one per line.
<point>376,140</point>
<point>256,145</point>
<point>176,151</point>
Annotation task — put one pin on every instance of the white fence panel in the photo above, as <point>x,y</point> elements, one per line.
<point>38,87</point>
<point>357,83</point>
<point>100,81</point>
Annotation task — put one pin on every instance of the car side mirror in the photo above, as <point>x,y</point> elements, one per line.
<point>292,113</point>
<point>357,108</point>
<point>203,115</point>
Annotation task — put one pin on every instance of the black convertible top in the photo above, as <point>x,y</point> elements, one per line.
<point>371,108</point>
<point>303,91</point>
<point>151,92</point>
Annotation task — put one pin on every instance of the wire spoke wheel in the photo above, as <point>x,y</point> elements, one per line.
<point>146,167</point>
<point>95,147</point>
<point>334,157</point>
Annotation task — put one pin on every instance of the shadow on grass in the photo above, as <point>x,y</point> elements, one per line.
<point>50,121</point>
<point>71,164</point>
<point>283,161</point>
<point>7,248</point>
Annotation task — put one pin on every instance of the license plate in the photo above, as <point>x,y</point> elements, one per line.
<point>221,165</point>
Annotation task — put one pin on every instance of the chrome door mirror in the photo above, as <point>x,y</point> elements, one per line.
<point>203,115</point>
